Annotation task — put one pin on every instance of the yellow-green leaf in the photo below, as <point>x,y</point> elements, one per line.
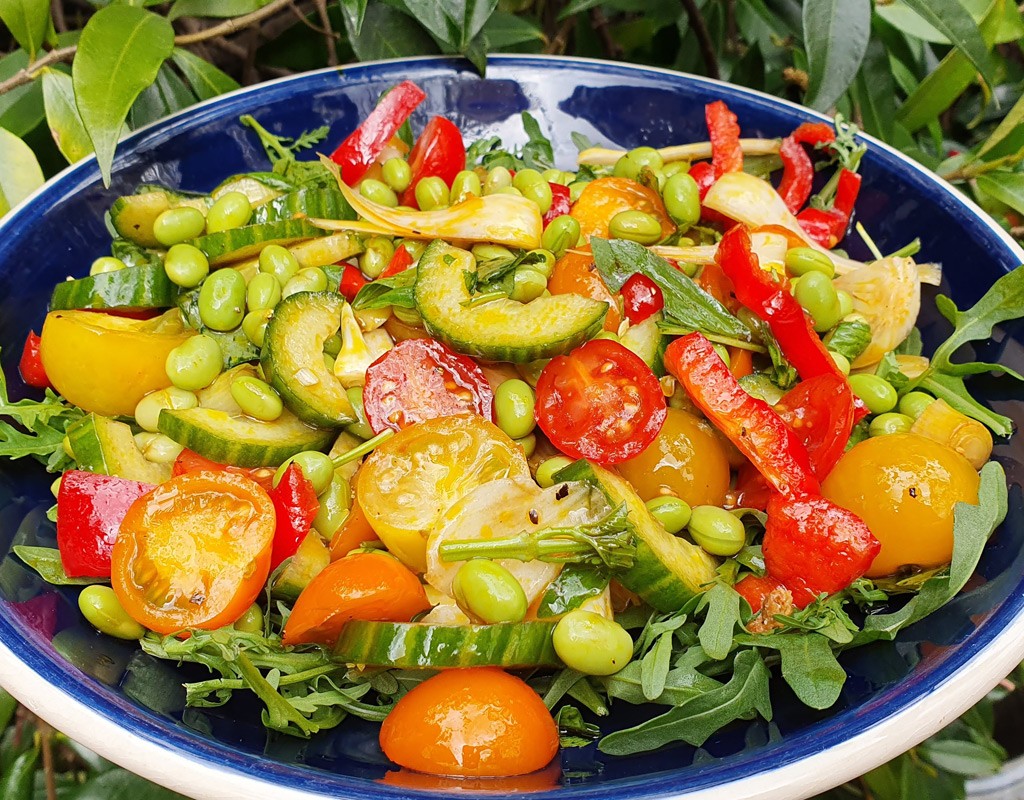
<point>836,36</point>
<point>119,55</point>
<point>20,174</point>
<point>205,79</point>
<point>63,118</point>
<point>28,21</point>
<point>1007,187</point>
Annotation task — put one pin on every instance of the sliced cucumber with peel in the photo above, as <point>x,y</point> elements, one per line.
<point>247,241</point>
<point>132,288</point>
<point>107,447</point>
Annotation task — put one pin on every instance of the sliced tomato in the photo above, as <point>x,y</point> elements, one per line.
<point>820,412</point>
<point>295,505</point>
<point>641,298</point>
<point>600,402</point>
<point>575,273</point>
<point>351,282</point>
<point>422,379</point>
<point>400,262</point>
<point>560,202</point>
<point>439,152</point>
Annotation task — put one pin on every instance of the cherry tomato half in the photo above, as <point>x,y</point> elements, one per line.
<point>820,411</point>
<point>194,552</point>
<point>422,379</point>
<point>575,273</point>
<point>641,298</point>
<point>600,402</point>
<point>438,152</point>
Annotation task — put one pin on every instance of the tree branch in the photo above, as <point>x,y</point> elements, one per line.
<point>561,39</point>
<point>700,30</point>
<point>600,24</point>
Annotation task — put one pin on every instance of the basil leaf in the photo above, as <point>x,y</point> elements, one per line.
<point>850,338</point>
<point>46,561</point>
<point>398,290</point>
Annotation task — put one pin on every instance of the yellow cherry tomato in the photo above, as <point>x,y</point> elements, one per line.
<point>687,460</point>
<point>904,487</point>
<point>105,363</point>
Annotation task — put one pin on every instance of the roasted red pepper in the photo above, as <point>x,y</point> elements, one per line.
<point>560,202</point>
<point>798,171</point>
<point>704,174</point>
<point>296,506</point>
<point>827,228</point>
<point>90,509</point>
<point>364,145</point>
<point>352,281</point>
<point>31,365</point>
<point>400,262</point>
<point>820,411</point>
<point>438,152</point>
<point>724,132</point>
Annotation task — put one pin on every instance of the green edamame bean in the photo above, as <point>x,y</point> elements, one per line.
<point>397,173</point>
<point>913,404</point>
<point>378,192</point>
<point>254,325</point>
<point>540,193</point>
<point>334,504</point>
<point>498,178</point>
<point>877,393</point>
<point>263,291</point>
<point>890,423</point>
<point>257,398</point>
<point>432,193</point>
<point>147,411</point>
<point>672,512</point>
<point>178,225</point>
<point>415,247</point>
<point>160,449</point>
<point>279,262</point>
<point>541,260</point>
<point>102,609</point>
<point>186,265</point>
<point>840,361</point>
<point>546,471</point>
<point>377,255</point>
<point>682,199</point>
<point>528,443</point>
<point>407,316</point>
<point>222,300</point>
<point>329,362</point>
<point>845,303</point>
<point>637,226</point>
<point>143,439</point>
<point>310,279</point>
<point>801,260</point>
<point>646,157</point>
<point>317,468</point>
<point>488,591</point>
<point>55,486</point>
<point>527,177</point>
<point>817,295</point>
<point>513,407</point>
<point>195,363</point>
<point>675,167</point>
<point>718,531</point>
<point>626,167</point>
<point>106,264</point>
<point>557,176</point>
<point>528,284</point>
<point>251,620</point>
<point>492,254</point>
<point>561,234</point>
<point>231,210</point>
<point>592,644</point>
<point>361,427</point>
<point>576,189</point>
<point>332,345</point>
<point>466,184</point>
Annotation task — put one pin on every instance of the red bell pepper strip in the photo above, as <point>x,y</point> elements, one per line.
<point>828,228</point>
<point>400,262</point>
<point>820,410</point>
<point>90,509</point>
<point>31,365</point>
<point>364,145</point>
<point>724,132</point>
<point>560,203</point>
<point>191,461</point>
<point>352,281</point>
<point>438,152</point>
<point>798,171</point>
<point>704,174</point>
<point>296,506</point>
<point>748,422</point>
<point>814,133</point>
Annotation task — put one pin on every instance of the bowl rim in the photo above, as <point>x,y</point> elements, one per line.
<point>204,775</point>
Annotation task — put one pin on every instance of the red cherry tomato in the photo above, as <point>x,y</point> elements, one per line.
<point>560,202</point>
<point>641,297</point>
<point>600,402</point>
<point>439,152</point>
<point>422,379</point>
<point>352,281</point>
<point>31,366</point>
<point>820,411</point>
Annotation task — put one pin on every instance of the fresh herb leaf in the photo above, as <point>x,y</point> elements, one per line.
<point>682,683</point>
<point>46,561</point>
<point>723,614</point>
<point>809,665</point>
<point>654,667</point>
<point>582,141</point>
<point>536,154</point>
<point>889,369</point>
<point>281,151</point>
<point>39,430</point>
<point>850,338</point>
<point>398,290</point>
<point>913,345</point>
<point>951,388</point>
<point>573,586</point>
<point>573,730</point>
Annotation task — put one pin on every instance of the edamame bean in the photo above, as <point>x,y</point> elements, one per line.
<point>263,291</point>
<point>397,173</point>
<point>528,443</point>
<point>147,411</point>
<point>334,504</point>
<point>279,262</point>
<point>332,345</point>
<point>466,184</point>
<point>231,210</point>
<point>493,254</point>
<point>541,260</point>
<point>177,225</point>
<point>143,439</point>
<point>527,177</point>
<point>877,393</point>
<point>407,316</point>
<point>498,178</point>
<point>378,192</point>
<point>682,199</point>
<point>415,247</point>
<point>488,591</point>
<point>310,279</point>
<point>576,189</point>
<point>546,471</point>
<point>626,167</point>
<point>106,264</point>
<point>672,512</point>
<point>557,176</point>
<point>845,303</point>
<point>889,423</point>
<point>528,284</point>
<point>102,609</point>
<point>513,406</point>
<point>675,167</point>
<point>841,361</point>
<point>647,157</point>
<point>817,295</point>
<point>251,620</point>
<point>317,468</point>
<point>222,300</point>
<point>361,427</point>
<point>195,363</point>
<point>913,404</point>
<point>540,193</point>
<point>801,260</point>
<point>432,193</point>
<point>592,644</point>
<point>561,234</point>
<point>377,255</point>
<point>718,531</point>
<point>637,226</point>
<point>186,265</point>
<point>254,325</point>
<point>160,449</point>
<point>257,398</point>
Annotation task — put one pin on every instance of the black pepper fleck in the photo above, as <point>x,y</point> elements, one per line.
<point>534,516</point>
<point>912,491</point>
<point>563,492</point>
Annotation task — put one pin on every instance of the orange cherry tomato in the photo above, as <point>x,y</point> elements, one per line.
<point>575,273</point>
<point>447,785</point>
<point>354,531</point>
<point>741,362</point>
<point>194,552</point>
<point>474,722</point>
<point>604,198</point>
<point>373,586</point>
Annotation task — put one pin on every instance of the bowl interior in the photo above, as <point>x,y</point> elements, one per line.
<point>61,230</point>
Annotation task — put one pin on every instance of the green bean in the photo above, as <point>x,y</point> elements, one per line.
<point>513,407</point>
<point>186,265</point>
<point>397,173</point>
<point>546,471</point>
<point>637,226</point>
<point>466,184</point>
<point>106,264</point>
<point>890,423</point>
<point>592,644</point>
<point>672,512</point>
<point>817,295</point>
<point>682,199</point>
<point>376,256</point>
<point>407,316</point>
<point>877,393</point>
<point>178,225</point>
<point>222,300</point>
<point>195,363</point>
<point>913,404</point>
<point>263,291</point>
<point>561,234</point>
<point>147,410</point>
<point>801,260</point>
<point>718,531</point>
<point>489,592</point>
<point>279,262</point>
<point>378,192</point>
<point>102,609</point>
<point>254,325</point>
<point>231,210</point>
<point>257,398</point>
<point>432,193</point>
<point>415,247</point>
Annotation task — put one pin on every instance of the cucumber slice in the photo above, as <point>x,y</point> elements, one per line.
<point>417,645</point>
<point>241,440</point>
<point>107,447</point>
<point>133,215</point>
<point>309,560</point>
<point>503,329</point>
<point>247,241</point>
<point>131,288</point>
<point>645,340</point>
<point>314,203</point>
<point>294,363</point>
<point>135,255</point>
<point>259,187</point>
<point>667,571</point>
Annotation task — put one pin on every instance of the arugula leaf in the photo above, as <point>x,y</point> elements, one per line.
<point>682,683</point>
<point>617,259</point>
<point>536,154</point>
<point>723,614</point>
<point>39,430</point>
<point>46,561</point>
<point>913,345</point>
<point>655,666</point>
<point>573,730</point>
<point>398,290</point>
<point>281,151</point>
<point>951,388</point>
<point>809,665</point>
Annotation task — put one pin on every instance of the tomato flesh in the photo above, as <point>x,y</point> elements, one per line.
<point>641,298</point>
<point>438,152</point>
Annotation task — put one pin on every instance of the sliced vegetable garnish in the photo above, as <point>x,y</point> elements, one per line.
<point>439,152</point>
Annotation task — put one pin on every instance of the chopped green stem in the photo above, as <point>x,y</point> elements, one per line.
<point>361,450</point>
<point>679,330</point>
<point>481,299</point>
<point>866,237</point>
<point>909,249</point>
<point>272,144</point>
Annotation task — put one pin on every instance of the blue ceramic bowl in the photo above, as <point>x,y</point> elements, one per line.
<point>130,708</point>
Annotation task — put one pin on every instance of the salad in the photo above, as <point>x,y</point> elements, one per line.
<point>449,439</point>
